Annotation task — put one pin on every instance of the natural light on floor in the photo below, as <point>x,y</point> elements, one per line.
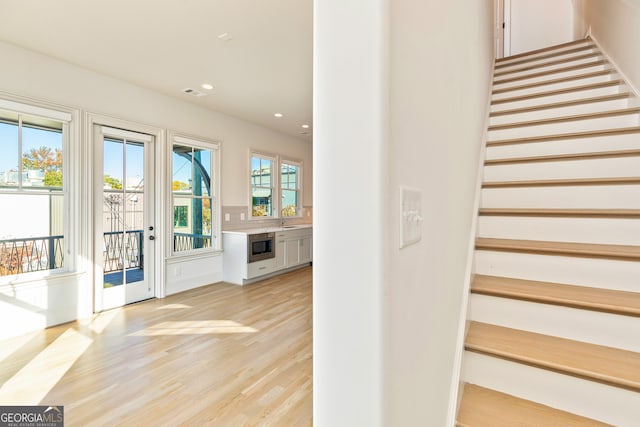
<point>38,377</point>
<point>195,327</point>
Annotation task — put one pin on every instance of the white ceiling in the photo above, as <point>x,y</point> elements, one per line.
<point>169,45</point>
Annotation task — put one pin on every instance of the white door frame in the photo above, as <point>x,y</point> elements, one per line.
<point>91,121</point>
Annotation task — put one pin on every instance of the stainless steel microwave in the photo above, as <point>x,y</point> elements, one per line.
<point>260,246</point>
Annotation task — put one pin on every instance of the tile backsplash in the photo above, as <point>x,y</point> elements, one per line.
<point>239,218</point>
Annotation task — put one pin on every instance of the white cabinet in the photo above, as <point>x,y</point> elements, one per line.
<point>292,247</point>
<point>298,247</point>
<point>281,255</point>
<point>306,249</point>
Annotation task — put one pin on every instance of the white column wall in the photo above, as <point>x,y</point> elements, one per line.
<point>350,175</point>
<point>385,319</point>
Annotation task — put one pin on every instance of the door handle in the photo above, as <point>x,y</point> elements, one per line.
<point>152,237</point>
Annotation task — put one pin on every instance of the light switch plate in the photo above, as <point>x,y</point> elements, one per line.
<point>410,216</point>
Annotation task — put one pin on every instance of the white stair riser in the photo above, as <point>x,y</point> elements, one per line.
<point>594,327</point>
<point>554,86</point>
<point>582,94</point>
<point>595,168</point>
<point>557,51</point>
<point>592,107</point>
<point>499,75</point>
<point>578,145</point>
<point>590,399</point>
<point>500,83</point>
<point>576,197</point>
<point>603,123</point>
<point>538,61</point>
<point>612,231</point>
<point>596,272</point>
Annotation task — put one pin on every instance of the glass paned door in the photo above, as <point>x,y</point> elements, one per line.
<point>123,216</point>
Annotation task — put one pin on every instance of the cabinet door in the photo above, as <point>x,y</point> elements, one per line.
<point>281,253</point>
<point>292,251</point>
<point>305,250</point>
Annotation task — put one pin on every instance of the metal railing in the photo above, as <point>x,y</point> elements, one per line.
<point>189,241</point>
<point>122,250</point>
<point>30,254</point>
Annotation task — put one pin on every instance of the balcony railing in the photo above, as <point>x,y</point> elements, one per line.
<point>31,254</point>
<point>122,250</point>
<point>188,241</point>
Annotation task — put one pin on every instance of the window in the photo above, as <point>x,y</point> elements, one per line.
<point>262,185</point>
<point>290,188</point>
<point>276,194</point>
<point>32,192</point>
<point>195,187</point>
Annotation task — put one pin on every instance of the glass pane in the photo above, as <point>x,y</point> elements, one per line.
<point>31,233</point>
<point>123,212</point>
<point>192,223</point>
<point>202,172</point>
<point>289,176</point>
<point>42,161</point>
<point>9,172</point>
<point>261,172</point>
<point>289,203</point>
<point>181,169</point>
<point>261,202</point>
<point>113,162</point>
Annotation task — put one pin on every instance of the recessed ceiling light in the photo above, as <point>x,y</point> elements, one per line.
<point>207,86</point>
<point>305,126</point>
<point>225,37</point>
<point>278,115</point>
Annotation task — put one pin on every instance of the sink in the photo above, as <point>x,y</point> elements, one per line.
<point>289,226</point>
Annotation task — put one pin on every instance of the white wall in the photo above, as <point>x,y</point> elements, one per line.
<point>540,23</point>
<point>386,319</point>
<point>350,175</point>
<point>25,73</point>
<point>439,96</point>
<point>615,24</point>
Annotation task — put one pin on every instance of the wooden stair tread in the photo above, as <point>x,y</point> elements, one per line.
<point>571,118</point>
<point>548,72</point>
<point>554,81</point>
<point>544,49</point>
<point>572,135</point>
<point>564,157</point>
<point>563,182</point>
<point>612,366</point>
<point>547,64</point>
<point>605,98</point>
<point>571,89</point>
<point>586,250</point>
<point>582,297</point>
<point>500,65</point>
<point>582,213</point>
<point>482,407</point>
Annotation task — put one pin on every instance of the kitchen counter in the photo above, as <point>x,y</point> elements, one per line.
<point>268,229</point>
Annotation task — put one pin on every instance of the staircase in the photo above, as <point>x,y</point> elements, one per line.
<point>553,331</point>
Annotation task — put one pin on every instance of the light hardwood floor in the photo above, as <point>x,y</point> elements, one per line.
<point>221,355</point>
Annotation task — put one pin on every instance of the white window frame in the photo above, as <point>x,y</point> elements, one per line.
<point>216,205</point>
<point>274,185</point>
<point>276,188</point>
<point>298,164</point>
<point>71,184</point>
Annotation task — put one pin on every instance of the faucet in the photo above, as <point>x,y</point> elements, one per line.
<point>281,222</point>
